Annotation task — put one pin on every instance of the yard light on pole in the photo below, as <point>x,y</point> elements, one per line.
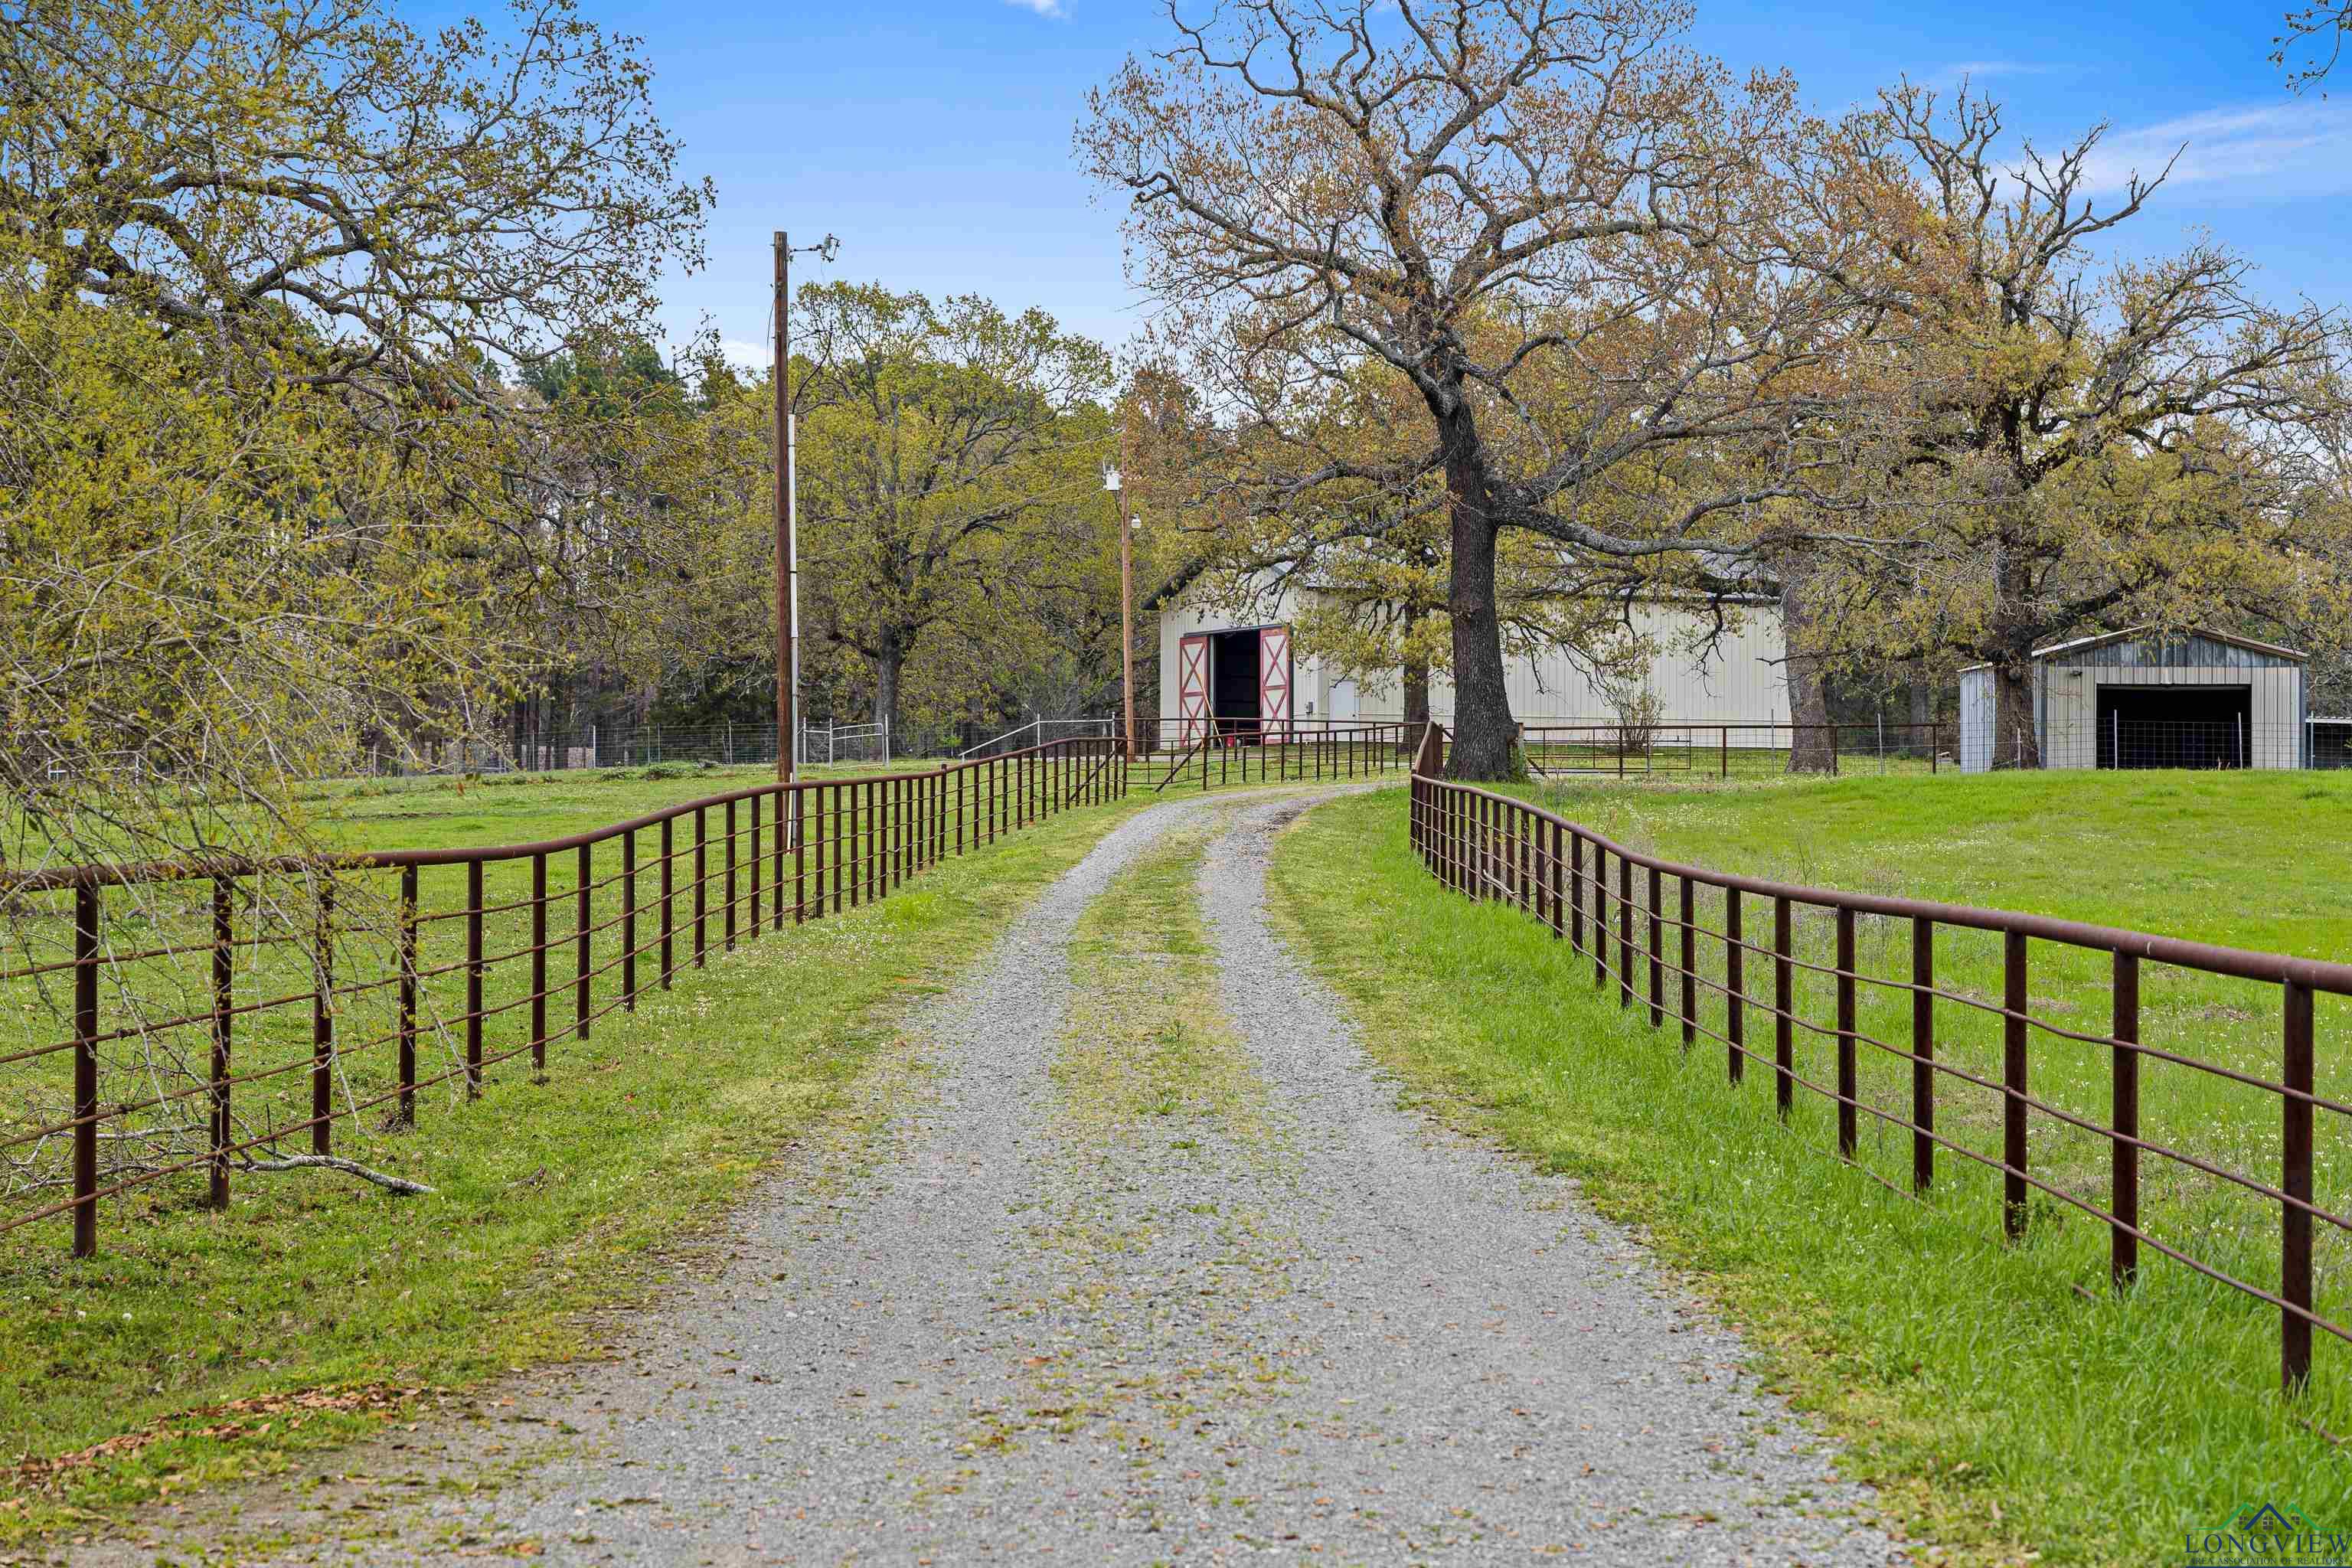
<point>1126,523</point>
<point>788,662</point>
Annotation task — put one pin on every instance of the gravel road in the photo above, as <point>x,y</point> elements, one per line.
<point>985,1330</point>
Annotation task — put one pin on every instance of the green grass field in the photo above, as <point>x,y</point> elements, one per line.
<point>550,1198</point>
<point>2005,1397</point>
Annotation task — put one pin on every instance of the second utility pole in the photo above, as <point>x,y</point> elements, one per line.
<point>785,717</point>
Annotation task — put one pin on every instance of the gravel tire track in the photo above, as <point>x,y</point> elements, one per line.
<point>984,1334</point>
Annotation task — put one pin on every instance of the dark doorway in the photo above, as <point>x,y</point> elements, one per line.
<point>2174,726</point>
<point>1233,683</point>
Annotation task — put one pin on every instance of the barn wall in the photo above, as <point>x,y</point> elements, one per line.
<point>2070,706</point>
<point>1739,683</point>
<point>1976,720</point>
<point>2277,740</point>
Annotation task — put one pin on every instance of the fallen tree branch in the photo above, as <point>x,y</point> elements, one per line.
<point>400,1185</point>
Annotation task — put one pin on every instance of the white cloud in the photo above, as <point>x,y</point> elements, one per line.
<point>2265,151</point>
<point>745,356</point>
<point>1042,7</point>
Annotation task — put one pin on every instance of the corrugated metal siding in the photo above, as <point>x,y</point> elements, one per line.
<point>2171,653</point>
<point>1741,683</point>
<point>1976,720</point>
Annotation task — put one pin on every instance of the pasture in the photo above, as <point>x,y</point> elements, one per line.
<point>2005,1393</point>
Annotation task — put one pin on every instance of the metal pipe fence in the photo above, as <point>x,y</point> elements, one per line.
<point>1623,749</point>
<point>1950,1033</point>
<point>222,1015</point>
<point>1335,749</point>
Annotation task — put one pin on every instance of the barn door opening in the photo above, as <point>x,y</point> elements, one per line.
<point>1192,688</point>
<point>1232,685</point>
<point>1274,683</point>
<point>2176,726</point>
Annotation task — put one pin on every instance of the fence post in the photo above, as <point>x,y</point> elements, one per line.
<point>538,965</point>
<point>730,876</point>
<point>1624,931</point>
<point>408,995</point>
<point>474,969</point>
<point>85,1126</point>
<point>701,886</point>
<point>322,1024</point>
<point>1735,1000</point>
<point>776,862</point>
<point>1657,948</point>
<point>1849,1086</point>
<point>1784,1007</point>
<point>752,924</point>
<point>1690,964</point>
<point>2014,1002</point>
<point>668,902</point>
<point>2295,1215</point>
<point>1599,916</point>
<point>224,1002</point>
<point>1723,770</point>
<point>1923,1054</point>
<point>629,919</point>
<point>2123,1251</point>
<point>1575,892</point>
<point>797,795</point>
<point>583,965</point>
<point>1554,877</point>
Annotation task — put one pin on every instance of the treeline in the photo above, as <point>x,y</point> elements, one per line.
<point>1515,314</point>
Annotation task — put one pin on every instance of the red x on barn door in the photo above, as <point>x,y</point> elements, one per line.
<point>1274,683</point>
<point>1193,687</point>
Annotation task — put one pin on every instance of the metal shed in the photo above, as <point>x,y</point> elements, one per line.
<point>2145,698</point>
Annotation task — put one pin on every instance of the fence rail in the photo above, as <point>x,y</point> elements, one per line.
<point>1333,750</point>
<point>221,1011</point>
<point>1948,1090</point>
<point>1641,749</point>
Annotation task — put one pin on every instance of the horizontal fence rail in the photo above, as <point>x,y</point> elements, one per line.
<point>1954,1031</point>
<point>1555,747</point>
<point>1286,752</point>
<point>233,1016</point>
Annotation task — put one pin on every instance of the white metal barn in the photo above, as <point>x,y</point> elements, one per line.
<point>2138,699</point>
<point>1214,668</point>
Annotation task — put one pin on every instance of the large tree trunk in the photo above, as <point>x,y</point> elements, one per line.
<point>1811,747</point>
<point>1921,737</point>
<point>1416,688</point>
<point>2015,742</point>
<point>888,666</point>
<point>1483,731</point>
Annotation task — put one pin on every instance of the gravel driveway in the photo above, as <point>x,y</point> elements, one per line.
<point>982,1331</point>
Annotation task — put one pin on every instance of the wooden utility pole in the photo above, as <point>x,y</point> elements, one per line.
<point>1126,521</point>
<point>785,696</point>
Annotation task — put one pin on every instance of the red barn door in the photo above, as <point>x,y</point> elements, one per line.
<point>1192,688</point>
<point>1274,683</point>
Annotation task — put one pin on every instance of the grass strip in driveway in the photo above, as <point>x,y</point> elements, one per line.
<point>1999,1409</point>
<point>551,1202</point>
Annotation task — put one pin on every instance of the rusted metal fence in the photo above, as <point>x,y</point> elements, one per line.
<point>1642,749</point>
<point>222,1015</point>
<point>1868,1008</point>
<point>1287,753</point>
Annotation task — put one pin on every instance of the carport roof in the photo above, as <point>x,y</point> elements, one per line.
<point>2102,640</point>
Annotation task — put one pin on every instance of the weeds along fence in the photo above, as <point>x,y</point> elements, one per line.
<point>2169,1091</point>
<point>258,1016</point>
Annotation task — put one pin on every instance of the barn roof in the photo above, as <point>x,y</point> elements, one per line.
<point>2102,640</point>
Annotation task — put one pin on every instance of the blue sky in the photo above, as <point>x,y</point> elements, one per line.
<point>933,136</point>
